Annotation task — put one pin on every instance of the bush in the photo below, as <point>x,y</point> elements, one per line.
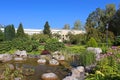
<point>54,45</point>
<point>92,43</point>
<point>45,52</point>
<point>5,46</point>
<point>23,44</point>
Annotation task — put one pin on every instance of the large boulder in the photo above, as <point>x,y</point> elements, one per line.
<point>5,57</point>
<point>21,53</point>
<point>77,74</point>
<point>49,76</point>
<point>58,56</point>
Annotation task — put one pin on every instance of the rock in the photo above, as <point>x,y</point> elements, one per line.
<point>41,61</point>
<point>5,57</point>
<point>18,59</point>
<point>77,74</point>
<point>80,68</point>
<point>21,53</point>
<point>18,78</point>
<point>70,78</point>
<point>53,62</point>
<point>49,76</point>
<point>61,58</point>
<point>58,56</point>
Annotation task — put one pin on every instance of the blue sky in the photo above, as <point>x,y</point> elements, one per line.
<point>34,13</point>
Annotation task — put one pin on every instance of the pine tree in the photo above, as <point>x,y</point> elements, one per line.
<point>20,31</point>
<point>47,29</point>
<point>9,32</point>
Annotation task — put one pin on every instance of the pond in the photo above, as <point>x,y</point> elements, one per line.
<point>39,69</point>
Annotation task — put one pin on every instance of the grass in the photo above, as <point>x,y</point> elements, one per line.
<point>75,49</point>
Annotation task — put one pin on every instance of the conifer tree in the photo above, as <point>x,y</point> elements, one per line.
<point>20,31</point>
<point>47,29</point>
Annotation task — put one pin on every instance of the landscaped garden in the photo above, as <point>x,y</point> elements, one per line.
<point>93,55</point>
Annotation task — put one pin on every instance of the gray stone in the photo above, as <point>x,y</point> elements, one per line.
<point>5,57</point>
<point>41,61</point>
<point>19,53</point>
<point>53,62</point>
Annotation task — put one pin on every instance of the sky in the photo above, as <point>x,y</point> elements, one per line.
<point>34,13</point>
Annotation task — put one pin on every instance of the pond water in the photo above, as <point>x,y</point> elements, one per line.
<point>39,69</point>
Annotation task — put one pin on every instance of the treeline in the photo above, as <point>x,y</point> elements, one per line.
<point>11,40</point>
<point>103,23</point>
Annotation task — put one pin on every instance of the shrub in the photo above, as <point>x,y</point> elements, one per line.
<point>54,45</point>
<point>5,46</point>
<point>92,43</point>
<point>23,44</point>
<point>45,52</point>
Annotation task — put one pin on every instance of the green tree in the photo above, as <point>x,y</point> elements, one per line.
<point>47,29</point>
<point>1,36</point>
<point>66,26</point>
<point>77,25</point>
<point>20,31</point>
<point>54,45</point>
<point>9,32</point>
<point>92,43</point>
<point>114,24</point>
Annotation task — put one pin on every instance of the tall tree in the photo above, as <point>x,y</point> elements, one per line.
<point>1,36</point>
<point>114,24</point>
<point>9,32</point>
<point>47,29</point>
<point>77,25</point>
<point>110,12</point>
<point>66,26</point>
<point>96,23</point>
<point>20,31</point>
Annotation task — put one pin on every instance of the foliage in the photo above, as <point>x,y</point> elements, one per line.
<point>104,48</point>
<point>5,46</point>
<point>23,44</point>
<point>77,25</point>
<point>75,49</point>
<point>87,58</point>
<point>54,45</point>
<point>117,41</point>
<point>114,24</point>
<point>56,35</point>
<point>45,52</point>
<point>47,29</point>
<point>43,38</point>
<point>77,39</point>
<point>11,75</point>
<point>20,31</point>
<point>9,32</point>
<point>108,68</point>
<point>1,36</point>
<point>92,43</point>
<point>96,23</point>
<point>66,26</point>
